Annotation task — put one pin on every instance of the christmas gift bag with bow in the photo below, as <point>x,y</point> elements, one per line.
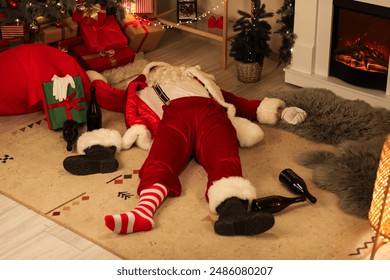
<point>105,37</point>
<point>64,100</point>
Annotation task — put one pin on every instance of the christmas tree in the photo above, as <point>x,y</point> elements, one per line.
<point>286,13</point>
<point>28,11</point>
<point>251,43</point>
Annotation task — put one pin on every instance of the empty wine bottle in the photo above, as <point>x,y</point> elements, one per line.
<point>274,203</point>
<point>94,113</point>
<point>295,184</point>
<point>70,133</point>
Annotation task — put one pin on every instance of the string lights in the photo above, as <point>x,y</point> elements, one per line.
<point>129,7</point>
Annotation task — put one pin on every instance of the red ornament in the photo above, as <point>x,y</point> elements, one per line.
<point>58,24</point>
<point>13,3</point>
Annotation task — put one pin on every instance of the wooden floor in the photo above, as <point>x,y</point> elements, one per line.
<point>25,234</point>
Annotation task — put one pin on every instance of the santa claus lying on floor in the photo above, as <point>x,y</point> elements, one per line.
<point>177,113</point>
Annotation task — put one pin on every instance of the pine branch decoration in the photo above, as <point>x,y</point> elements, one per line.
<point>286,31</point>
<point>252,41</point>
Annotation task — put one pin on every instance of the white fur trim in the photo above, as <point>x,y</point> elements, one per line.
<point>139,135</point>
<point>152,64</point>
<point>225,188</point>
<point>103,136</point>
<point>248,133</point>
<point>267,110</point>
<point>93,75</point>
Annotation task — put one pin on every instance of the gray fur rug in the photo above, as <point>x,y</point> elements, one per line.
<point>332,119</point>
<point>356,129</point>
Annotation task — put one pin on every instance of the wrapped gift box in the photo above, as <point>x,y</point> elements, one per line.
<point>7,44</point>
<point>103,60</point>
<point>15,30</point>
<point>144,35</point>
<point>74,107</point>
<point>49,33</point>
<point>67,44</point>
<point>94,15</point>
<point>105,37</point>
<point>2,15</point>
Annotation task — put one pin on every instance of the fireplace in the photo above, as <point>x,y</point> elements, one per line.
<point>315,47</point>
<point>360,44</point>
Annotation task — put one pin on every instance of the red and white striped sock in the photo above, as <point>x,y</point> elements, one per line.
<point>141,217</point>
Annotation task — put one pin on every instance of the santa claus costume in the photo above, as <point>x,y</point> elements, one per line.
<point>179,113</point>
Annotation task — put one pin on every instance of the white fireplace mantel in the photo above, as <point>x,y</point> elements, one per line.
<point>310,62</point>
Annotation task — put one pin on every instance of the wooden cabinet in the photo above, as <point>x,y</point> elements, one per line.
<point>166,14</point>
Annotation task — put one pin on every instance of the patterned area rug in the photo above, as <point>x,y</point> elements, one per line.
<point>32,174</point>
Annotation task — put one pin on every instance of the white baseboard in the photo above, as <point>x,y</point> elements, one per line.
<point>376,98</point>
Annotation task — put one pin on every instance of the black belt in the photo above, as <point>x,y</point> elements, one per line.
<point>161,94</point>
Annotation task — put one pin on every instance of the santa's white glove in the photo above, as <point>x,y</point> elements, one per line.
<point>293,115</point>
<point>60,86</point>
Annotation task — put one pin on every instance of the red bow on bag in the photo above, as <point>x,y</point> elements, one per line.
<point>213,22</point>
<point>107,53</point>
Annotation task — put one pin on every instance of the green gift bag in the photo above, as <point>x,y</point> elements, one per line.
<point>74,107</point>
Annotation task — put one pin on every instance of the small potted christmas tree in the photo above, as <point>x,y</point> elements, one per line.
<point>251,45</point>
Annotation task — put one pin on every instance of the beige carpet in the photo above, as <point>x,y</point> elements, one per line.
<point>32,174</point>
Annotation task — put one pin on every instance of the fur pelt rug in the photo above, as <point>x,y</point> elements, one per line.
<point>356,129</point>
<point>332,119</point>
<point>349,172</point>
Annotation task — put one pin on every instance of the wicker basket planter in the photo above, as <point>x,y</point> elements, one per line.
<point>248,72</point>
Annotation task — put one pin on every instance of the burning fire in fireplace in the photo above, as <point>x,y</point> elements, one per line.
<point>360,44</point>
<point>363,56</point>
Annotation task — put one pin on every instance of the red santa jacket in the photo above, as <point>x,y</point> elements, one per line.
<point>142,121</point>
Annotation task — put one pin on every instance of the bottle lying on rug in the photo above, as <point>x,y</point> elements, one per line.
<point>274,203</point>
<point>295,184</point>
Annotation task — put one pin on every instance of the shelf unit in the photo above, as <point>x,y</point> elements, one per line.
<point>200,27</point>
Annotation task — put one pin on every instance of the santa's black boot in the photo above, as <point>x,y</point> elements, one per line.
<point>235,219</point>
<point>99,148</point>
<point>97,159</point>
